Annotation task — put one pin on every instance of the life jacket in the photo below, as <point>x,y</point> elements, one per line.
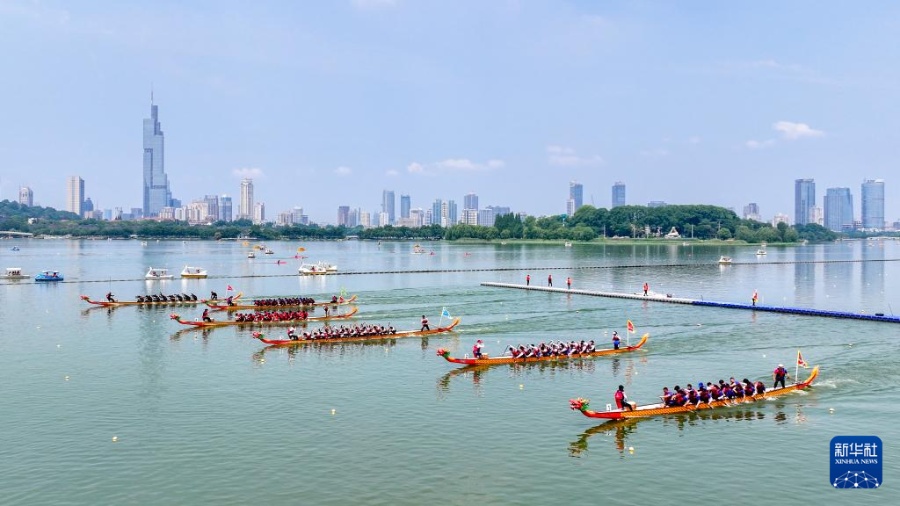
<point>780,371</point>
<point>620,397</point>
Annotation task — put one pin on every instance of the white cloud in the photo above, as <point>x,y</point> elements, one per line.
<point>374,4</point>
<point>567,157</point>
<point>793,131</point>
<point>655,153</point>
<point>415,168</point>
<point>392,172</point>
<point>248,172</point>
<point>694,140</point>
<point>754,144</point>
<point>343,171</point>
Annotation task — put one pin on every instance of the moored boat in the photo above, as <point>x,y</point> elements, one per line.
<point>723,260</point>
<point>251,255</point>
<point>660,409</point>
<point>48,276</point>
<point>220,306</point>
<point>318,268</point>
<point>506,359</point>
<point>156,274</point>
<point>261,323</point>
<point>374,337</point>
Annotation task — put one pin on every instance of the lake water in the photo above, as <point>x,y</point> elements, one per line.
<point>124,407</point>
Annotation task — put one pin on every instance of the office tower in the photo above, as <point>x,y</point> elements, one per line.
<point>75,195</point>
<point>259,213</point>
<point>436,212</point>
<point>404,206</point>
<point>451,213</point>
<point>298,218</point>
<point>576,193</point>
<point>212,208</point>
<point>387,205</point>
<point>245,209</point>
<point>751,211</point>
<point>804,200</point>
<point>570,207</point>
<point>87,209</point>
<point>872,198</point>
<point>343,215</point>
<point>618,194</point>
<point>26,196</point>
<point>156,185</point>
<point>225,208</point>
<point>838,209</point>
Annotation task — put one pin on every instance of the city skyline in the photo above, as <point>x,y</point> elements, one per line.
<point>376,105</point>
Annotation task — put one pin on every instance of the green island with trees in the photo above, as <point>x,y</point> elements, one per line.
<point>589,223</point>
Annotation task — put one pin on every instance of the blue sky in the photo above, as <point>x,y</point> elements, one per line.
<point>329,103</point>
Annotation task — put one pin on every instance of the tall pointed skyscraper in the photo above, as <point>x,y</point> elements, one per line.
<point>156,185</point>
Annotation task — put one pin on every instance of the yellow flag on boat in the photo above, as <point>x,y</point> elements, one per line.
<point>301,249</point>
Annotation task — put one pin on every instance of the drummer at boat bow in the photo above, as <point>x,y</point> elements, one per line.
<point>476,348</point>
<point>110,297</point>
<point>622,401</point>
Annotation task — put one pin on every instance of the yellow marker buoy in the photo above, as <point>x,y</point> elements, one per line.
<point>333,411</point>
<point>831,410</point>
<point>67,378</point>
<point>115,438</point>
<point>521,387</point>
<point>630,449</point>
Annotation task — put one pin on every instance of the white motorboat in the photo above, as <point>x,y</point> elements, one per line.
<point>193,272</point>
<point>156,274</point>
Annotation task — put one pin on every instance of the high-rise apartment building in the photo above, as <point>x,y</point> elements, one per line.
<point>387,205</point>
<point>245,207</point>
<point>618,194</point>
<point>751,212</point>
<point>576,195</point>
<point>343,216</point>
<point>838,209</point>
<point>872,198</point>
<point>436,214</point>
<point>470,201</point>
<point>26,196</point>
<point>156,184</point>
<point>451,213</point>
<point>259,213</point>
<point>804,200</point>
<point>75,195</point>
<point>212,208</point>
<point>404,206</point>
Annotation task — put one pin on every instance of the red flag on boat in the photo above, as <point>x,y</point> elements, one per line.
<point>800,361</point>
<point>630,326</point>
<point>229,288</point>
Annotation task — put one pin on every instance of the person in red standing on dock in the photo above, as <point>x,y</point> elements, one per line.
<point>646,288</point>
<point>550,280</point>
<point>569,283</point>
<point>527,279</point>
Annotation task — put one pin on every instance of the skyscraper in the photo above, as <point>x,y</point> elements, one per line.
<point>436,214</point>
<point>75,195</point>
<point>470,201</point>
<point>245,209</point>
<point>343,215</point>
<point>212,208</point>
<point>225,208</point>
<point>751,211</point>
<point>618,194</point>
<point>156,185</point>
<point>872,198</point>
<point>387,205</point>
<point>576,192</point>
<point>838,209</point>
<point>404,206</point>
<point>804,200</point>
<point>26,196</point>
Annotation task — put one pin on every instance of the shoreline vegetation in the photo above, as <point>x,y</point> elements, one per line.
<point>679,224</point>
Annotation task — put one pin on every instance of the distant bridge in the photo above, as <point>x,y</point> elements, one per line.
<point>12,233</point>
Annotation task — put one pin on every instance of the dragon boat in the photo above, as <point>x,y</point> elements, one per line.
<point>261,323</point>
<point>373,337</point>
<point>118,303</point>
<point>441,352</point>
<point>660,409</point>
<point>219,305</point>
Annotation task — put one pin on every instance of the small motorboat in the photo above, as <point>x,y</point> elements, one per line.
<point>156,274</point>
<point>251,255</point>
<point>193,272</point>
<point>723,260</point>
<point>48,276</point>
<point>760,252</point>
<point>267,251</point>
<point>318,268</point>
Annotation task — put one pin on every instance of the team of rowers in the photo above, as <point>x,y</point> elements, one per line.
<point>272,316</point>
<point>706,393</point>
<point>344,331</point>
<point>294,301</point>
<point>178,297</point>
<point>553,349</point>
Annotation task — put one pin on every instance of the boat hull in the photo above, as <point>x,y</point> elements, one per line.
<point>657,409</point>
<point>377,337</point>
<point>511,360</point>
